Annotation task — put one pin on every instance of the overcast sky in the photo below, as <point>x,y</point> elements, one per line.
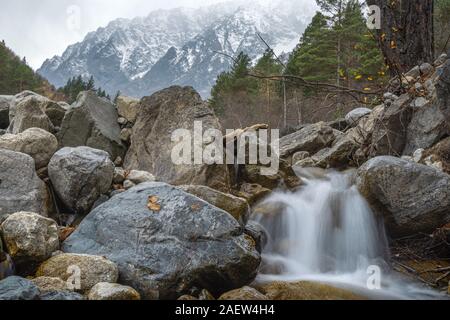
<point>41,29</point>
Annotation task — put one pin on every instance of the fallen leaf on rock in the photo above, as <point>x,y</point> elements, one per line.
<point>195,207</point>
<point>64,233</point>
<point>153,203</point>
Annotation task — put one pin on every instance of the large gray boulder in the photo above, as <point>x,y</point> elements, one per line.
<point>411,197</point>
<point>426,128</point>
<point>20,187</point>
<point>80,176</point>
<point>30,239</point>
<point>17,288</point>
<point>312,138</point>
<point>38,143</point>
<point>55,111</point>
<point>167,242</point>
<point>390,130</point>
<point>151,142</point>
<point>28,113</point>
<point>5,102</point>
<point>92,122</point>
<point>339,155</point>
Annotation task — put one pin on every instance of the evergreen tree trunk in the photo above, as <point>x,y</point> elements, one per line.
<point>406,36</point>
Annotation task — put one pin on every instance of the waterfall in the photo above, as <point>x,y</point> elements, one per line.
<point>327,232</point>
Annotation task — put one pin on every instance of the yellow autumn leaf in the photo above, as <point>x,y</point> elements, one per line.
<point>370,78</point>
<point>153,204</point>
<point>367,89</point>
<point>358,77</point>
<point>393,44</point>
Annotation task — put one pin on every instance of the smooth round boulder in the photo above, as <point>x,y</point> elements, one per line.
<point>30,239</point>
<point>112,291</point>
<point>91,269</point>
<point>80,175</point>
<point>411,197</point>
<point>167,242</point>
<point>17,288</point>
<point>38,143</point>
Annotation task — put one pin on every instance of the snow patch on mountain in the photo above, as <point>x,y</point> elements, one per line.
<point>177,46</point>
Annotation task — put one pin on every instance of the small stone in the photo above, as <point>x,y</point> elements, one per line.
<point>127,184</point>
<point>119,175</point>
<point>441,60</point>
<point>413,73</point>
<point>138,177</point>
<point>419,102</point>
<point>417,156</point>
<point>418,86</point>
<point>122,121</point>
<point>112,291</point>
<point>118,162</point>
<point>125,134</point>
<point>426,69</point>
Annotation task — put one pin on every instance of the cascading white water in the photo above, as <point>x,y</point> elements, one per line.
<point>327,232</point>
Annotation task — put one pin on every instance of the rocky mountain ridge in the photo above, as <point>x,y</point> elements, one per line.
<point>176,47</point>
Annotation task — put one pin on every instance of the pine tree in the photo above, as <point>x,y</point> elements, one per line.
<point>16,75</point>
<point>235,80</point>
<point>90,84</point>
<point>314,58</point>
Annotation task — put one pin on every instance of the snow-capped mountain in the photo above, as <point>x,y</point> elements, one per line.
<point>177,46</point>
